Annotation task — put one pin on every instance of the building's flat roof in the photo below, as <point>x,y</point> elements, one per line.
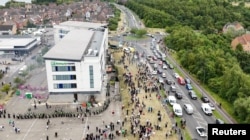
<point>9,43</point>
<point>72,46</point>
<point>82,24</point>
<point>95,44</point>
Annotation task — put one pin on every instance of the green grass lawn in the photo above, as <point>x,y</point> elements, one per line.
<point>134,38</point>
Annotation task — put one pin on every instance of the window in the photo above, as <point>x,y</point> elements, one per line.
<point>64,77</point>
<point>91,76</point>
<point>65,86</point>
<point>63,68</point>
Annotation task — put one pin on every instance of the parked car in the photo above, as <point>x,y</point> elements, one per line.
<point>178,95</point>
<point>212,106</point>
<point>176,75</point>
<point>188,108</point>
<point>219,121</point>
<point>154,72</point>
<point>187,81</point>
<point>169,82</point>
<point>205,99</point>
<point>171,66</point>
<point>192,94</point>
<point>167,62</point>
<point>163,75</point>
<point>201,131</point>
<point>159,71</point>
<point>206,109</point>
<point>164,66</point>
<point>172,88</point>
<point>189,87</point>
<point>161,80</point>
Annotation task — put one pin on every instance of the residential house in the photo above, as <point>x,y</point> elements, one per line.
<point>235,27</point>
<point>8,29</point>
<point>244,40</point>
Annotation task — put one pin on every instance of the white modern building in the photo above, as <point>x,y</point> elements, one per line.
<point>76,64</point>
<point>18,45</point>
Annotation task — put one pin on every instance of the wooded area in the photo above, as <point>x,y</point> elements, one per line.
<point>195,34</point>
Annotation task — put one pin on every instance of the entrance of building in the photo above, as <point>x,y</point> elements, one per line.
<point>75,97</point>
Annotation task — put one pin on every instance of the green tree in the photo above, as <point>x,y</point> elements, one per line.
<point>141,32</point>
<point>6,88</point>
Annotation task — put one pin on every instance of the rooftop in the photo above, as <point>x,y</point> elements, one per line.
<point>76,44</point>
<point>82,24</point>
<point>8,43</point>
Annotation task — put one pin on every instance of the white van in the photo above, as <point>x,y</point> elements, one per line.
<point>171,100</point>
<point>188,108</point>
<point>177,109</point>
<point>206,109</point>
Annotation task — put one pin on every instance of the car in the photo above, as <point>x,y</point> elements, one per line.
<point>154,72</point>
<point>154,58</point>
<point>176,75</point>
<point>187,81</point>
<point>166,62</point>
<point>160,63</point>
<point>158,56</point>
<point>189,87</point>
<point>192,94</point>
<point>201,131</point>
<point>163,75</point>
<point>171,66</point>
<point>205,99</point>
<point>178,95</point>
<point>169,82</point>
<point>155,66</point>
<point>113,47</point>
<point>151,47</point>
<point>159,71</point>
<point>149,57</point>
<point>212,106</point>
<point>188,108</point>
<point>164,66</point>
<point>219,121</point>
<point>161,80</point>
<point>172,88</point>
<point>206,109</point>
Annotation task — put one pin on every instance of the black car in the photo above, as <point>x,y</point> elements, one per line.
<point>205,99</point>
<point>171,66</point>
<point>159,71</point>
<point>192,94</point>
<point>178,95</point>
<point>219,121</point>
<point>169,82</point>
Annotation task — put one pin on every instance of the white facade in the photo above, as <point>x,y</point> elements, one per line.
<point>76,64</point>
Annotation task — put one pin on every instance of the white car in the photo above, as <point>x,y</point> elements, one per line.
<point>176,75</point>
<point>206,109</point>
<point>201,131</point>
<point>154,72</point>
<point>211,106</point>
<point>163,75</point>
<point>164,66</point>
<point>161,80</point>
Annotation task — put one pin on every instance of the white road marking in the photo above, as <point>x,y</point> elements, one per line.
<point>85,127</point>
<point>29,129</point>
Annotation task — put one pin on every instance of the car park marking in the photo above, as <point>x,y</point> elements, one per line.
<point>26,134</point>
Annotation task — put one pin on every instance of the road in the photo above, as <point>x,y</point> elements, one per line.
<point>198,118</point>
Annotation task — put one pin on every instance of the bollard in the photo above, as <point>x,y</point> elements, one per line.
<point>55,134</point>
<point>47,138</point>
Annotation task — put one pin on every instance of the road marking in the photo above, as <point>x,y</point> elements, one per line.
<point>85,127</point>
<point>29,129</point>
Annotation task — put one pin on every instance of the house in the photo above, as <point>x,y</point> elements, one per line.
<point>235,26</point>
<point>10,29</point>
<point>244,40</point>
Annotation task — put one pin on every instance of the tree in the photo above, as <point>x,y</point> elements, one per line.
<point>6,88</point>
<point>141,32</point>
